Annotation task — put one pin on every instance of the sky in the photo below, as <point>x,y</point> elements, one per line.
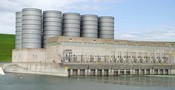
<point>141,20</point>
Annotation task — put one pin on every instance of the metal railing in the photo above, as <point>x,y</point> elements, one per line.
<point>116,59</point>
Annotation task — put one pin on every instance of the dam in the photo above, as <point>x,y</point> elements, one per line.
<point>71,44</point>
<point>91,56</point>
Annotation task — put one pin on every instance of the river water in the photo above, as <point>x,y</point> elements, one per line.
<point>13,81</point>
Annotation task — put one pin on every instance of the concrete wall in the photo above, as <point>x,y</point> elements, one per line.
<point>36,68</point>
<point>83,49</point>
<point>52,55</point>
<point>118,69</point>
<point>91,49</point>
<point>28,55</point>
<point>101,55</point>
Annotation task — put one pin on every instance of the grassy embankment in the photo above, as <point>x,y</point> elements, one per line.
<point>7,43</point>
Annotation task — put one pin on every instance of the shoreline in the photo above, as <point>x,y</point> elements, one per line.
<point>171,76</point>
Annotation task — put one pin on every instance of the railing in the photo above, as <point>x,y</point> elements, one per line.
<point>113,59</point>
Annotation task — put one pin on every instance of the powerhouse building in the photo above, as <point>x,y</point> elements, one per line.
<point>68,44</point>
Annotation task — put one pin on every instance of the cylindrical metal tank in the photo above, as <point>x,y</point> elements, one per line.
<point>18,40</point>
<point>106,27</point>
<point>89,26</point>
<point>31,28</point>
<point>52,24</point>
<point>71,24</point>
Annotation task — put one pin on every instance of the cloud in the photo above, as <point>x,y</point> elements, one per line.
<point>88,8</point>
<point>13,5</point>
<point>127,35</point>
<point>9,7</point>
<point>161,35</point>
<point>112,1</point>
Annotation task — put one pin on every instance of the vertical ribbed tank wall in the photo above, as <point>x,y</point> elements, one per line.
<point>89,26</point>
<point>106,27</point>
<point>31,28</point>
<point>18,41</point>
<point>71,24</point>
<point>42,32</point>
<point>52,22</point>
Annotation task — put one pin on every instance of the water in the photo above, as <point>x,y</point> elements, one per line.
<point>13,81</point>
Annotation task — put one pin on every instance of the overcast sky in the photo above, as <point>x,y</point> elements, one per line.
<point>150,20</point>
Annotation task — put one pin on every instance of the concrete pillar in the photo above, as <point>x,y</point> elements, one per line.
<point>145,71</point>
<point>172,71</point>
<point>102,72</point>
<point>96,72</point>
<point>158,71</point>
<point>151,71</point>
<point>78,72</point>
<point>139,71</point>
<point>111,72</point>
<point>169,71</point>
<point>163,71</point>
<point>86,72</point>
<point>71,72</point>
<point>131,72</point>
<point>124,71</point>
<point>89,72</point>
<point>118,71</point>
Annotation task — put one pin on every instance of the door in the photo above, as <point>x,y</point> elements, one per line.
<point>67,54</point>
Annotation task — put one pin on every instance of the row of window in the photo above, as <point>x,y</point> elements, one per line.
<point>114,45</point>
<point>117,56</point>
<point>100,60</point>
<point>19,56</point>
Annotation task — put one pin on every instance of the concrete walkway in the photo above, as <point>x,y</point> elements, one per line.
<point>1,71</point>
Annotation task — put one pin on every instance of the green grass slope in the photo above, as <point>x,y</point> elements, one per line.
<point>7,43</point>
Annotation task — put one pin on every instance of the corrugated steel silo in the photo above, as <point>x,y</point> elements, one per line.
<point>106,27</point>
<point>18,41</point>
<point>31,28</point>
<point>71,24</point>
<point>89,26</point>
<point>52,22</point>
